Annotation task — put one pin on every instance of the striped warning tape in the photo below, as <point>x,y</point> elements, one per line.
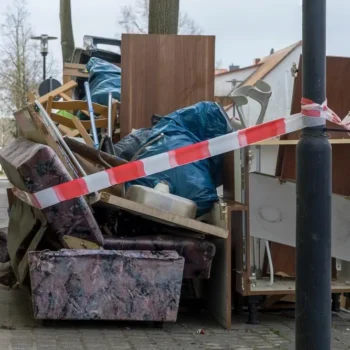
<point>311,114</point>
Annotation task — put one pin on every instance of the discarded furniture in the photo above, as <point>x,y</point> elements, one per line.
<point>163,73</point>
<point>106,285</point>
<point>271,203</point>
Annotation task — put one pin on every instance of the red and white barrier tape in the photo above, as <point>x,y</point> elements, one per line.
<point>311,114</point>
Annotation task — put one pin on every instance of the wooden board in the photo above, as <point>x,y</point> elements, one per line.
<point>287,287</point>
<point>338,79</point>
<point>92,154</point>
<point>163,73</point>
<point>62,89</point>
<point>163,216</point>
<point>273,214</point>
<point>274,142</point>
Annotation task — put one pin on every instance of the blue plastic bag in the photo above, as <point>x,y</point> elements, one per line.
<point>196,181</point>
<point>104,77</point>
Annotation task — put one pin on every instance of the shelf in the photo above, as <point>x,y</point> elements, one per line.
<point>287,287</point>
<point>274,142</point>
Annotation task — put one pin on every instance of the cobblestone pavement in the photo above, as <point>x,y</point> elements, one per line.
<point>18,331</point>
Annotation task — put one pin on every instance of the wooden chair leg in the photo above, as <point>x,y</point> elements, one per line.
<point>84,134</point>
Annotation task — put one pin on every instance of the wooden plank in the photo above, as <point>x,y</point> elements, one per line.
<point>68,98</point>
<point>84,134</point>
<point>80,105</point>
<point>287,287</point>
<point>67,131</point>
<point>64,88</point>
<point>92,154</point>
<point>75,73</point>
<point>163,73</point>
<point>220,282</point>
<point>31,97</point>
<point>294,142</point>
<point>80,66</point>
<point>74,66</point>
<point>163,216</point>
<point>49,105</point>
<point>59,119</point>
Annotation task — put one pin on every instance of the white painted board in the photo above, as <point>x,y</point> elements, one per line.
<point>272,207</point>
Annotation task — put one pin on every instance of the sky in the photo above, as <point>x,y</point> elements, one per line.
<point>244,29</point>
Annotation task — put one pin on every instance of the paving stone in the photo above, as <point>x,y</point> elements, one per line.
<point>20,331</point>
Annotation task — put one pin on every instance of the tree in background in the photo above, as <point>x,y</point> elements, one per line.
<point>20,61</point>
<point>134,19</point>
<point>8,130</point>
<point>163,16</point>
<point>20,66</point>
<point>67,38</point>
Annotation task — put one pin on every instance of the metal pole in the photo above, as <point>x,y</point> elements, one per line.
<point>314,190</point>
<point>44,66</point>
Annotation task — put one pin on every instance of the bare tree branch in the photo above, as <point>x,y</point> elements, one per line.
<point>134,19</point>
<point>20,64</point>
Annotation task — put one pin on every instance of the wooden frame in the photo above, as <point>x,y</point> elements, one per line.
<point>73,127</point>
<point>242,256</point>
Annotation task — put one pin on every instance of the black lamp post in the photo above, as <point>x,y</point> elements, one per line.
<point>44,48</point>
<point>314,191</point>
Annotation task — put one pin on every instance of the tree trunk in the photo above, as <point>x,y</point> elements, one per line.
<point>67,38</point>
<point>163,16</point>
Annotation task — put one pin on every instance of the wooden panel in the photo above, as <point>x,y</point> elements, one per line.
<point>162,73</point>
<point>338,79</point>
<point>220,282</point>
<point>92,154</point>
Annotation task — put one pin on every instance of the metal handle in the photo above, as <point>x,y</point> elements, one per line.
<point>91,113</point>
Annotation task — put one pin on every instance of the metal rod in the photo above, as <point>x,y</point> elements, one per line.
<point>92,116</point>
<point>44,66</point>
<point>110,131</point>
<point>314,190</point>
<point>59,137</point>
<point>258,169</point>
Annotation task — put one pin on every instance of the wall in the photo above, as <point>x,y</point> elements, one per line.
<point>223,88</point>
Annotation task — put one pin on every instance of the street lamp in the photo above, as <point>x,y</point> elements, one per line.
<point>44,48</point>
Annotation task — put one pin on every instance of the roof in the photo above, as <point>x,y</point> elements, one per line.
<point>266,65</point>
<point>239,69</point>
<point>220,71</point>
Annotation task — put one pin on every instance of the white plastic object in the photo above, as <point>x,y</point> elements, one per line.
<point>160,198</point>
<point>162,187</point>
<point>260,92</point>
